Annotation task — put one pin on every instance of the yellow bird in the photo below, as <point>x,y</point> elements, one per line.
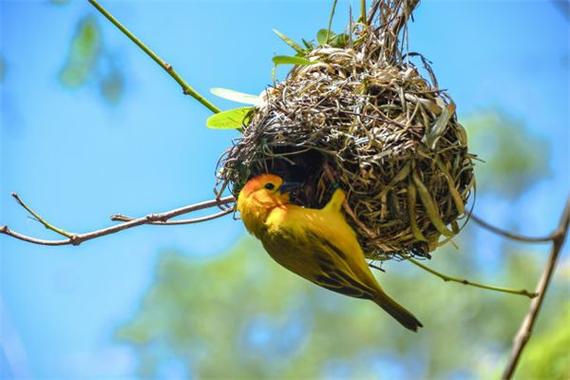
<point>316,244</point>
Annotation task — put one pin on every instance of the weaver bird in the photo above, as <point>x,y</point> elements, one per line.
<point>317,244</point>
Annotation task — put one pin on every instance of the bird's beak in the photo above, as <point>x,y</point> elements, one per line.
<point>287,187</point>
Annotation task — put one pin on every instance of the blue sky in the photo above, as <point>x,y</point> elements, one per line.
<point>78,160</point>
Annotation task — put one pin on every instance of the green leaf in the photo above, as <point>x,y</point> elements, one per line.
<point>290,60</point>
<point>323,36</point>
<point>236,96</point>
<point>289,42</point>
<point>83,53</point>
<point>308,44</point>
<point>231,119</point>
<point>331,18</point>
<point>340,40</point>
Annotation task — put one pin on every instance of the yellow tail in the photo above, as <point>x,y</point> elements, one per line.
<point>397,311</point>
<point>336,201</point>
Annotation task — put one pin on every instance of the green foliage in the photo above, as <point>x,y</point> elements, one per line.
<point>83,54</point>
<point>236,96</point>
<point>548,355</point>
<point>279,60</point>
<point>327,37</point>
<point>87,61</point>
<point>291,60</point>
<point>243,316</point>
<point>295,46</point>
<point>308,44</point>
<point>331,18</point>
<point>514,159</point>
<point>231,119</point>
<point>324,37</point>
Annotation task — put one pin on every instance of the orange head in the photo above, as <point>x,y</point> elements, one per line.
<point>259,196</point>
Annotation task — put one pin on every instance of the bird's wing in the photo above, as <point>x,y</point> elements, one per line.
<point>309,248</point>
<point>334,271</point>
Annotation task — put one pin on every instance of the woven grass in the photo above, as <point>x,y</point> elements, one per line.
<point>363,117</point>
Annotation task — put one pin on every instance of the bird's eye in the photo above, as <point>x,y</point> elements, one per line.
<point>269,186</point>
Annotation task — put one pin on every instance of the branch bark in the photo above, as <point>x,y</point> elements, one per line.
<point>525,330</point>
<point>124,218</point>
<point>446,278</point>
<point>78,238</point>
<point>511,235</point>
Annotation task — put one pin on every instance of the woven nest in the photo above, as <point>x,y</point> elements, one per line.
<point>362,117</point>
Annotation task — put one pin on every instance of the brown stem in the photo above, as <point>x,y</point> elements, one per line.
<point>76,239</point>
<point>394,15</point>
<point>124,218</point>
<point>525,330</point>
<point>373,10</point>
<point>405,12</point>
<point>511,235</point>
<point>446,278</point>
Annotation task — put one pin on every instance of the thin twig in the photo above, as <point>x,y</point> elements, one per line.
<point>376,267</point>
<point>447,278</point>
<point>76,239</point>
<point>186,88</point>
<point>510,235</point>
<point>124,218</point>
<point>38,218</point>
<point>372,12</point>
<point>525,330</point>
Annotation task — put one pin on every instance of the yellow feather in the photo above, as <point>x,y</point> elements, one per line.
<point>317,244</point>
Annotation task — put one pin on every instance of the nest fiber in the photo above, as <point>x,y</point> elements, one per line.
<point>363,117</point>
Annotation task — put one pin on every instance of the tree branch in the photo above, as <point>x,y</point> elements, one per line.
<point>447,278</point>
<point>38,218</point>
<point>525,330</point>
<point>124,218</point>
<point>78,238</point>
<point>186,88</point>
<point>511,235</point>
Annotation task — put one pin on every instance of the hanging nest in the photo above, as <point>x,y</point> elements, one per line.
<point>363,117</point>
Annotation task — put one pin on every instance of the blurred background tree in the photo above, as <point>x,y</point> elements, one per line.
<point>89,62</point>
<point>242,316</point>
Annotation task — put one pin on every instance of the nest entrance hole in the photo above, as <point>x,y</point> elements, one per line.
<point>302,166</point>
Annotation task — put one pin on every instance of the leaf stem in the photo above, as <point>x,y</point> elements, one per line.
<point>186,88</point>
<point>446,278</point>
<point>38,218</point>
<point>331,17</point>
